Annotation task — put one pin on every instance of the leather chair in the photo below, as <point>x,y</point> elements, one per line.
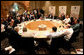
<point>27,44</point>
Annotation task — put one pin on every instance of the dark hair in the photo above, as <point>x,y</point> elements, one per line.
<point>78,21</point>
<point>71,19</point>
<point>54,29</point>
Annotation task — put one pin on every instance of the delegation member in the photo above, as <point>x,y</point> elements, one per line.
<point>59,38</point>
<point>66,20</point>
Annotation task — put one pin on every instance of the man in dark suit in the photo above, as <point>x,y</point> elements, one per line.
<point>76,28</point>
<point>3,32</point>
<point>17,21</point>
<point>27,18</point>
<point>55,17</point>
<point>50,16</point>
<point>59,17</point>
<point>9,18</point>
<point>11,24</point>
<point>14,37</point>
<point>63,17</point>
<point>42,11</point>
<point>38,15</point>
<point>60,39</point>
<point>5,22</point>
<point>72,21</point>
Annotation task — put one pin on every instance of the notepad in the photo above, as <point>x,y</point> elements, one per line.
<point>79,51</point>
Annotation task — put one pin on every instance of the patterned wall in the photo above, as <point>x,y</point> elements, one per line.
<point>5,6</point>
<point>45,5</point>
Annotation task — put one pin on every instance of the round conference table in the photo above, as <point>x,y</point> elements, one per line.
<point>33,30</point>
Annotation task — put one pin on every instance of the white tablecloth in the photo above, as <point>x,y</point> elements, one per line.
<point>34,33</point>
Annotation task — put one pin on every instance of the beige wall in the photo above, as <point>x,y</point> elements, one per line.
<point>45,5</point>
<point>5,6</point>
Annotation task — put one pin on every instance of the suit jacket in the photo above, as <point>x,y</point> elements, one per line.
<point>59,18</point>
<point>3,35</point>
<point>32,18</point>
<point>41,11</point>
<point>5,23</point>
<point>26,19</point>
<point>63,17</point>
<point>16,22</point>
<point>55,17</point>
<point>76,27</point>
<point>38,16</point>
<point>50,16</point>
<point>13,36</point>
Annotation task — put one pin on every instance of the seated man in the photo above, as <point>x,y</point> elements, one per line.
<point>67,32</point>
<point>54,32</point>
<point>72,21</point>
<point>76,28</point>
<point>23,39</point>
<point>60,38</point>
<point>3,32</point>
<point>27,18</point>
<point>2,27</point>
<point>38,15</point>
<point>14,37</point>
<point>54,16</point>
<point>17,21</point>
<point>59,17</point>
<point>5,22</point>
<point>23,18</point>
<point>63,16</point>
<point>50,16</point>
<point>46,16</point>
<point>66,20</point>
<point>11,24</point>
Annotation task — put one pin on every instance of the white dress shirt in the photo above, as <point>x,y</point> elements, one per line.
<point>2,28</point>
<point>66,20</point>
<point>35,11</point>
<point>55,34</point>
<point>23,19</point>
<point>52,35</point>
<point>67,32</point>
